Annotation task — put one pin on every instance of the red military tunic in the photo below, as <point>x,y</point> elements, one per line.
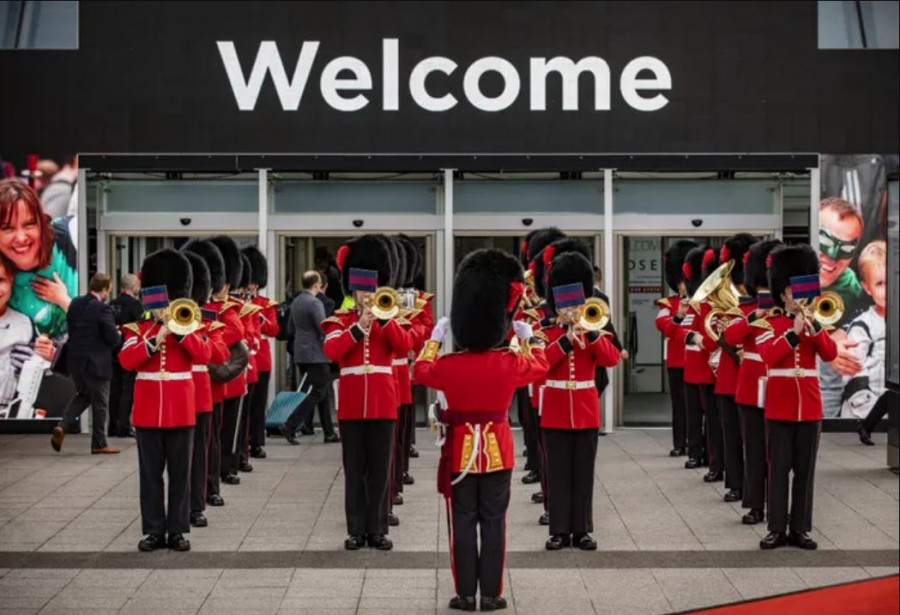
<point>742,332</point>
<point>366,388</point>
<point>792,390</point>
<point>268,327</point>
<point>218,352</point>
<point>696,358</point>
<point>727,373</point>
<point>476,385</point>
<point>423,324</point>
<point>249,315</point>
<point>570,399</point>
<point>164,385</point>
<point>232,333</point>
<point>537,386</point>
<point>400,365</point>
<point>673,345</point>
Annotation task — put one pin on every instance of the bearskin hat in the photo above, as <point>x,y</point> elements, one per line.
<point>400,262</point>
<point>486,293</point>
<point>542,263</point>
<point>692,268</point>
<point>413,260</point>
<point>542,238</point>
<point>734,249</point>
<point>787,262</point>
<point>674,259</point>
<point>259,268</point>
<point>523,247</point>
<point>201,286</point>
<point>709,263</point>
<point>168,268</point>
<point>365,252</point>
<point>214,261</point>
<point>570,268</point>
<point>232,257</point>
<point>246,272</point>
<point>756,274</point>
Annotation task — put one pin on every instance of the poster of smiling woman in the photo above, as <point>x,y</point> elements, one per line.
<point>38,278</point>
<point>852,263</point>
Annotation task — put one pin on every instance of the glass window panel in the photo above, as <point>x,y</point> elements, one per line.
<point>550,196</point>
<point>183,196</point>
<point>698,197</point>
<point>394,197</point>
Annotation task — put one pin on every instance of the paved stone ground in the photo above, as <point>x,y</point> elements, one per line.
<point>69,526</point>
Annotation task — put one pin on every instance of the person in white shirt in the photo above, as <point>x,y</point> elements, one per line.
<point>16,330</point>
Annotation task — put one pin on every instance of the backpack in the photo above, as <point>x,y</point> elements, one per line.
<point>283,315</point>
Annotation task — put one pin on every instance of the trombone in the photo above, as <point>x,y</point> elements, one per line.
<point>183,316</point>
<point>385,303</point>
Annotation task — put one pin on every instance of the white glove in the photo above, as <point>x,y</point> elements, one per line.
<point>523,329</point>
<point>440,329</point>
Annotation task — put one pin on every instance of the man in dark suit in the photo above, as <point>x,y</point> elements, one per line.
<point>128,308</point>
<point>92,336</point>
<point>601,376</point>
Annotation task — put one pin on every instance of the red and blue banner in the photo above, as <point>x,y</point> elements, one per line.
<point>155,297</point>
<point>568,295</point>
<point>364,280</point>
<point>806,286</point>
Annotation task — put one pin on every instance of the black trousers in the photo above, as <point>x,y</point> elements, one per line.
<point>244,425</point>
<point>93,392</point>
<point>169,451</point>
<point>755,465</point>
<point>479,501</point>
<point>200,461</point>
<point>318,377</point>
<point>258,406</point>
<point>530,427</point>
<point>400,461</point>
<point>734,446</point>
<point>121,397</point>
<point>679,411</point>
<point>571,454</point>
<point>231,443</point>
<point>410,433</point>
<point>366,447</point>
<point>792,448</point>
<point>715,441</point>
<point>695,414</point>
<point>214,452</point>
<point>878,412</point>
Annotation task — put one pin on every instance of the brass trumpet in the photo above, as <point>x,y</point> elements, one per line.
<point>594,314</point>
<point>385,303</point>
<point>183,316</point>
<point>827,309</point>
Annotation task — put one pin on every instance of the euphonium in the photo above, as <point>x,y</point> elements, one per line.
<point>594,314</point>
<point>183,316</point>
<point>828,309</point>
<point>385,303</point>
<point>723,298</point>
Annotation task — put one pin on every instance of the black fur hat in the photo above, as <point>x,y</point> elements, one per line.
<point>259,268</point>
<point>246,272</point>
<point>570,268</point>
<point>201,286</point>
<point>542,238</point>
<point>401,264</point>
<point>168,268</point>
<point>674,259</point>
<point>232,257</point>
<point>413,260</point>
<point>214,261</point>
<point>693,267</point>
<point>483,300</point>
<point>523,247</point>
<point>542,263</point>
<point>734,249</point>
<point>756,274</point>
<point>365,252</point>
<point>786,262</point>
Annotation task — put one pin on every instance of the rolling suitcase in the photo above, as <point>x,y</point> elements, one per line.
<point>282,407</point>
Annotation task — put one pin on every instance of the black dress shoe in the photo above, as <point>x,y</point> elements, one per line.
<point>545,519</point>
<point>864,436</point>
<point>678,452</point>
<point>692,464</point>
<point>354,543</point>
<point>152,542</point>
<point>380,542</point>
<point>258,452</point>
<point>733,496</point>
<point>713,477</point>
<point>801,540</point>
<point>753,517</point>
<point>246,466</point>
<point>56,440</point>
<point>773,541</point>
<point>537,497</point>
<point>288,434</point>
<point>398,499</point>
<point>584,542</point>
<point>177,542</point>
<point>493,604</point>
<point>332,438</point>
<point>413,452</point>
<point>408,479</point>
<point>231,479</point>
<point>306,431</point>
<point>531,478</point>
<point>393,520</point>
<point>198,519</point>
<point>558,542</point>
<point>215,500</point>
<point>458,603</point>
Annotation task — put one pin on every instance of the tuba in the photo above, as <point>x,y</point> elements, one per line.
<point>385,303</point>
<point>183,316</point>
<point>723,298</point>
<point>594,314</point>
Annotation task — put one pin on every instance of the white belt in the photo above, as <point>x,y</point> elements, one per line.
<point>692,348</point>
<point>400,362</point>
<point>200,369</point>
<point>794,373</point>
<point>359,370</point>
<point>752,356</point>
<point>572,385</point>
<point>160,376</point>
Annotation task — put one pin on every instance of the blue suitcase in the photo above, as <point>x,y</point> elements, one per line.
<point>283,405</point>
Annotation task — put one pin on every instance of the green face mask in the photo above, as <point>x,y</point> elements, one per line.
<point>834,248</point>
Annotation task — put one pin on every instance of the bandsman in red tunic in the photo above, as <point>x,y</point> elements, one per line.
<point>164,402</point>
<point>267,328</point>
<point>673,345</point>
<point>789,346</point>
<point>570,406</point>
<point>364,348</point>
<point>479,382</point>
<point>249,314</point>
<point>741,332</point>
<point>402,380</point>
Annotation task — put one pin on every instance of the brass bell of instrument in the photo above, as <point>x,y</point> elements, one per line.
<point>723,298</point>
<point>594,314</point>
<point>828,309</point>
<point>385,303</point>
<point>184,317</point>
